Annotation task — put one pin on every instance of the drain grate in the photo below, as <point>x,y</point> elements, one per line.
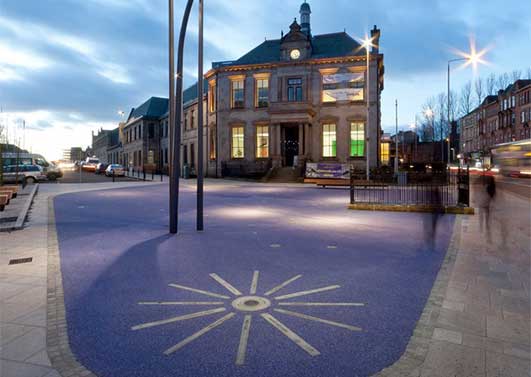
<point>21,260</point>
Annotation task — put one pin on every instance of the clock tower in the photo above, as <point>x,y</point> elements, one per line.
<point>296,45</point>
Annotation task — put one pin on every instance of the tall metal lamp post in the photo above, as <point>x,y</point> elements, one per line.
<point>176,108</point>
<point>449,104</point>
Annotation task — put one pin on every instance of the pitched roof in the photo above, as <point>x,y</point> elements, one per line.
<point>190,94</point>
<point>323,46</point>
<point>154,107</point>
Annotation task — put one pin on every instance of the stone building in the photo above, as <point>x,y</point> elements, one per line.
<point>100,143</point>
<point>299,98</point>
<point>499,119</point>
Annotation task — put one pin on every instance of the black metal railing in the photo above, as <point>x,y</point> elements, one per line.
<point>450,188</point>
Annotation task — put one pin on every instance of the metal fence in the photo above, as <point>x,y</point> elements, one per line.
<point>447,189</point>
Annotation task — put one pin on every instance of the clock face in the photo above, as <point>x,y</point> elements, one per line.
<point>295,54</point>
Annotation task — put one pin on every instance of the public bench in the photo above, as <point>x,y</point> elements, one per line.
<point>13,189</point>
<point>323,182</point>
<point>3,201</point>
<point>7,193</point>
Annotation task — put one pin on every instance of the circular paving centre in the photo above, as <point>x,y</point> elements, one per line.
<point>251,303</point>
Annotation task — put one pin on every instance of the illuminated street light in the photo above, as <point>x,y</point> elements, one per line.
<point>473,58</point>
<point>366,43</point>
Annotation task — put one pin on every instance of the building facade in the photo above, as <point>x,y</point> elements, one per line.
<point>294,99</point>
<point>502,118</point>
<point>289,100</point>
<point>100,144</point>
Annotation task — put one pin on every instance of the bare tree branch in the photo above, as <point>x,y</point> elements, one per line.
<point>465,103</point>
<point>503,81</point>
<point>491,84</point>
<point>516,75</point>
<point>478,86</point>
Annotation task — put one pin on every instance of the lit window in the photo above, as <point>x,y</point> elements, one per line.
<point>212,98</point>
<point>329,140</point>
<point>384,153</point>
<point>237,147</point>
<point>357,139</point>
<point>213,143</point>
<point>262,142</point>
<point>237,94</point>
<point>262,92</point>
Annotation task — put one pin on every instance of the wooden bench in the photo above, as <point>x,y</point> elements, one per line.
<point>13,189</point>
<point>323,182</point>
<point>7,193</point>
<point>3,201</point>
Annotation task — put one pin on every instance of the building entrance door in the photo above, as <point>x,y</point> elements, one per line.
<point>290,145</point>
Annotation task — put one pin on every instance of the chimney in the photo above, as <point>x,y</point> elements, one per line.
<point>375,37</point>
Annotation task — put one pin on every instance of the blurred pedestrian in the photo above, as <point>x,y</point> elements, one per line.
<point>486,195</point>
<point>437,210</point>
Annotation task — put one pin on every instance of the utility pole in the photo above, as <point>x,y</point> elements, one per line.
<point>200,151</point>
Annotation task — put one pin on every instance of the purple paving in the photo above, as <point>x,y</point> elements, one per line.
<point>324,291</point>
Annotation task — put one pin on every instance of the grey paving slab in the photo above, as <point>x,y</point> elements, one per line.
<point>499,365</point>
<point>447,359</point>
<point>9,368</point>
<point>25,346</point>
<point>509,330</point>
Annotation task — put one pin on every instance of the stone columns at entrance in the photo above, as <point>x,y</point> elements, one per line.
<point>302,151</point>
<point>307,140</point>
<point>276,151</point>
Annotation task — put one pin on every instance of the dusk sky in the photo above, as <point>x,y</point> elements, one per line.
<point>68,66</point>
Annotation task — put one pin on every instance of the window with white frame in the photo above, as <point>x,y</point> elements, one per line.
<point>329,140</point>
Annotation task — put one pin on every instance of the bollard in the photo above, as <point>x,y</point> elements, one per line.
<point>152,175</point>
<point>113,175</point>
<point>144,173</point>
<point>161,177</point>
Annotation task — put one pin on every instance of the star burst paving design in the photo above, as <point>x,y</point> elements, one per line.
<point>249,305</point>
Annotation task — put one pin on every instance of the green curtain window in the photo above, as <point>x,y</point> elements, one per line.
<point>357,139</point>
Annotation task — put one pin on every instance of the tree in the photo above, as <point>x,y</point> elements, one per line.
<point>465,101</point>
<point>454,105</point>
<point>478,86</point>
<point>503,81</point>
<point>516,75</point>
<point>491,84</point>
<point>529,73</point>
<point>440,112</point>
<point>426,124</point>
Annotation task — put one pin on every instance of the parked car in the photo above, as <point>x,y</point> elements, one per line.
<point>100,168</point>
<point>116,169</point>
<point>24,173</point>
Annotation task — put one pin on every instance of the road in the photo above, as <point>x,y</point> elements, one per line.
<point>86,177</point>
<point>518,186</point>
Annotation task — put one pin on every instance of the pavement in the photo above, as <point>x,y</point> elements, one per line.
<point>463,333</point>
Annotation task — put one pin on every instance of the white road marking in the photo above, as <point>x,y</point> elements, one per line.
<point>290,334</point>
<point>274,245</point>
<point>181,303</point>
<point>304,293</point>
<point>254,283</point>
<point>198,291</point>
<point>321,304</point>
<point>226,285</point>
<point>242,348</point>
<point>196,335</point>
<point>317,319</point>
<point>179,318</point>
<point>279,287</point>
